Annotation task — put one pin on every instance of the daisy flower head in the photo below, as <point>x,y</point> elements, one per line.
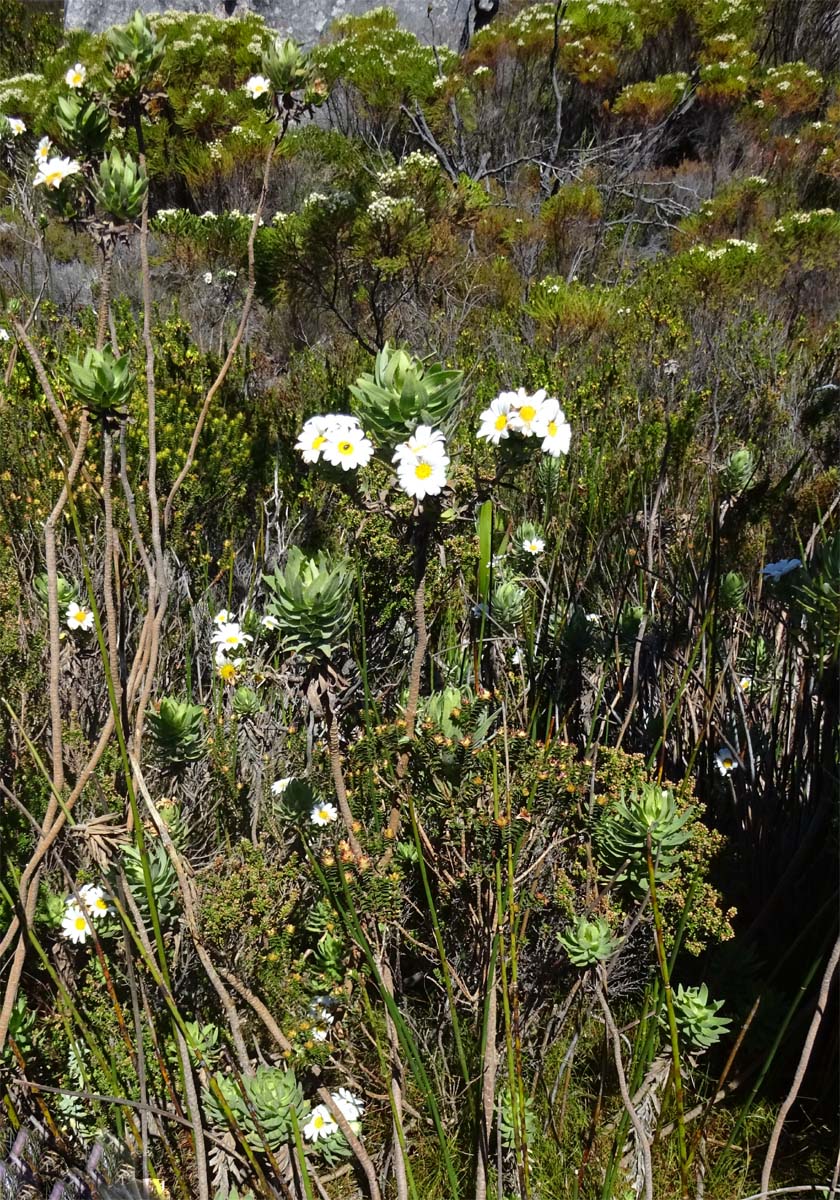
<point>258,86</point>
<point>421,476</point>
<point>4,334</point>
<point>319,1010</point>
<point>93,900</point>
<point>319,1034</point>
<point>346,446</point>
<point>54,171</point>
<point>526,417</point>
<point>554,429</point>
<point>426,443</point>
<point>534,545</point>
<point>313,437</point>
<point>223,617</point>
<point>79,618</point>
<point>320,1124</point>
<point>351,1106</point>
<point>75,925</point>
<point>229,636</point>
<point>43,151</point>
<point>16,126</point>
<point>76,76</point>
<point>323,814</point>
<point>207,277</point>
<point>745,684</point>
<point>778,570</point>
<point>495,420</point>
<point>725,761</point>
<point>279,786</point>
<point>269,622</point>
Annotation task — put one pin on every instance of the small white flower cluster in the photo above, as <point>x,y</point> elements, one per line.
<point>537,415</point>
<point>322,1124</point>
<point>713,254</point>
<point>386,208</point>
<point>413,164</point>
<point>802,218</point>
<point>228,638</point>
<point>75,924</point>
<point>757,180</point>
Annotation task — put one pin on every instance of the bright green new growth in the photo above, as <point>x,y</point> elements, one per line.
<point>508,603</point>
<point>312,601</point>
<point>731,591</point>
<point>696,1018</point>
<point>85,125</point>
<point>122,187</point>
<point>246,702</point>
<point>163,877</point>
<point>66,591</point>
<point>402,394</point>
<point>590,941</point>
<point>133,54</point>
<point>176,728</point>
<point>622,835</point>
<point>101,381</point>
<point>737,473</point>
<point>265,1117</point>
<point>287,67</point>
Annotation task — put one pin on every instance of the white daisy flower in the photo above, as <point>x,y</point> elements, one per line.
<point>347,447</point>
<point>4,334</point>
<point>223,617</point>
<point>279,786</point>
<point>319,1034</point>
<point>79,618</point>
<point>323,814</point>
<point>76,76</point>
<point>16,126</point>
<point>527,412</point>
<point>42,152</point>
<point>533,545</point>
<point>54,171</point>
<point>426,443</point>
<point>422,477</point>
<point>270,622</point>
<point>725,761</point>
<point>229,636</point>
<point>75,926</point>
<point>320,1124</point>
<point>745,684</point>
<point>351,1106</point>
<point>257,86</point>
<point>319,1011</point>
<point>554,429</point>
<point>93,899</point>
<point>781,568</point>
<point>229,668</point>
<point>495,420</point>
<point>207,277</point>
<point>313,437</point>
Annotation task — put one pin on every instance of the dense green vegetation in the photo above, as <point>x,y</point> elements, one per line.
<point>420,571</point>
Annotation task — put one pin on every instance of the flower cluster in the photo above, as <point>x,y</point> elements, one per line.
<point>338,439</point>
<point>228,637</point>
<point>537,415</point>
<point>321,1122</point>
<point>91,906</point>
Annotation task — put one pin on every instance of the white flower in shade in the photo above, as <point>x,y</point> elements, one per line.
<point>554,429</point>
<point>207,277</point>
<point>223,617</point>
<point>54,171</point>
<point>319,1034</point>
<point>16,126</point>
<point>725,761</point>
<point>279,786</point>
<point>320,1124</point>
<point>76,76</point>
<point>319,1010</point>
<point>426,443</point>
<point>93,900</point>
<point>229,637</point>
<point>533,545</point>
<point>495,420</point>
<point>323,814</point>
<point>781,568</point>
<point>4,334</point>
<point>79,618</point>
<point>257,86</point>
<point>270,622</point>
<point>75,925</point>
<point>422,477</point>
<point>745,684</point>
<point>43,151</point>
<point>351,1106</point>
<point>347,447</point>
<point>527,412</point>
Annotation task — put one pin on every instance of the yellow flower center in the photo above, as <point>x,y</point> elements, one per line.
<point>81,616</point>
<point>501,421</point>
<point>527,412</point>
<point>53,178</point>
<point>80,923</point>
<point>422,470</point>
<point>76,78</point>
<point>345,447</point>
<point>552,428</point>
<point>323,814</point>
<point>100,905</point>
<point>319,1122</point>
<point>318,442</point>
<point>232,639</point>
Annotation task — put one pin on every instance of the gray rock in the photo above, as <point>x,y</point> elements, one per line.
<point>442,21</point>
